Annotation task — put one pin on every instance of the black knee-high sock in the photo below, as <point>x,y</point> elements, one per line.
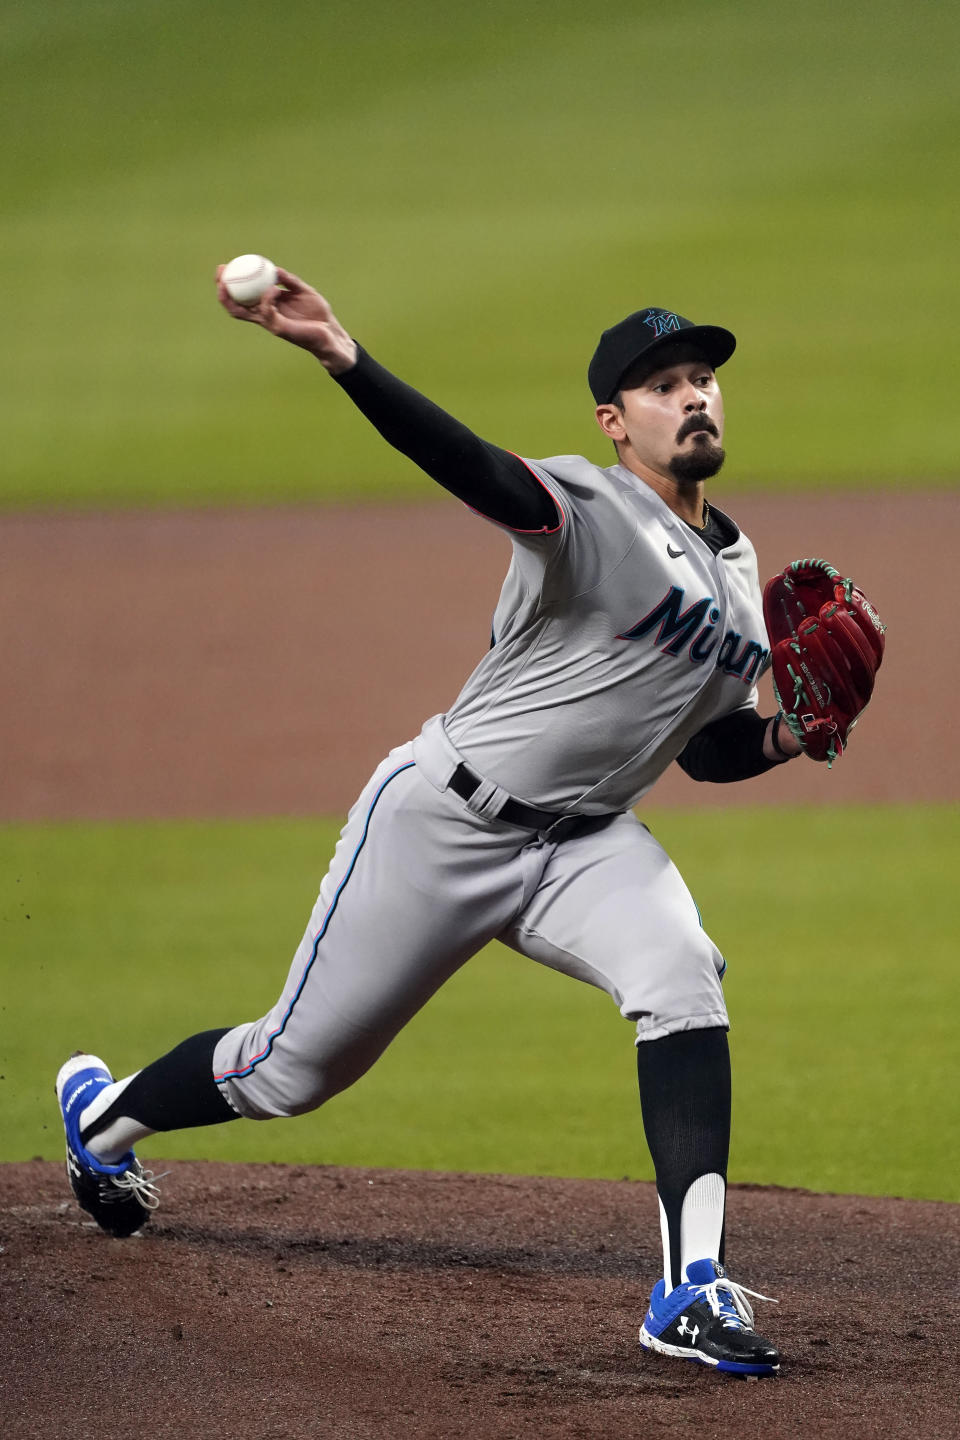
<point>176,1092</point>
<point>685,1098</point>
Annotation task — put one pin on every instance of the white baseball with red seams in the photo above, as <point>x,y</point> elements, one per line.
<point>247,277</point>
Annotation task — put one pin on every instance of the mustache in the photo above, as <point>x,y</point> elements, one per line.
<point>697,422</point>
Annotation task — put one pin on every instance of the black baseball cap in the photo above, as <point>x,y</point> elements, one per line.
<point>641,334</point>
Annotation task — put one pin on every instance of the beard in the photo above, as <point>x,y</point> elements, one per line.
<point>700,463</point>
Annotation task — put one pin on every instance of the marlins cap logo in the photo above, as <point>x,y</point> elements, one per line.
<point>662,322</point>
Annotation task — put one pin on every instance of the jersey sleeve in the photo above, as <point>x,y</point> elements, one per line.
<point>493,482</point>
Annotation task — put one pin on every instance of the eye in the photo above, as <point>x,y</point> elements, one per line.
<point>703,380</point>
<point>663,385</point>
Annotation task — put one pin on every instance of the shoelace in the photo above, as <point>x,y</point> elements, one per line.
<point>740,1312</point>
<point>137,1182</point>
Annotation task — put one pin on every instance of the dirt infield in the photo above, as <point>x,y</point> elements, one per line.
<point>298,1302</point>
<point>262,662</point>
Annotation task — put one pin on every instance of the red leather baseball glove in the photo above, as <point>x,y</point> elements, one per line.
<point>826,645</point>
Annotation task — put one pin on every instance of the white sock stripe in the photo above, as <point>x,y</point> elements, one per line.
<point>121,1134</point>
<point>103,1101</point>
<point>701,1220</point>
<point>665,1241</point>
<point>117,1139</point>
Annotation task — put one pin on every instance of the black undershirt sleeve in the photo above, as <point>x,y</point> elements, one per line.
<point>483,476</point>
<point>728,749</point>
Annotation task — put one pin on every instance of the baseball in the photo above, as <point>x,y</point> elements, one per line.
<point>247,277</point>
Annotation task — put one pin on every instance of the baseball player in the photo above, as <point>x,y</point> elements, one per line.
<point>629,634</point>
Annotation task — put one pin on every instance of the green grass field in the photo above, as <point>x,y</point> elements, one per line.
<point>836,924</point>
<point>479,190</point>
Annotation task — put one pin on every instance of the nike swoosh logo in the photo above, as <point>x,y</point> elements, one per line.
<point>674,554</point>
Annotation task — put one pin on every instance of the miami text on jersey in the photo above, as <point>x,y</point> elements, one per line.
<point>695,627</point>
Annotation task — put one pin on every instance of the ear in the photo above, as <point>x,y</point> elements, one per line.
<point>610,420</point>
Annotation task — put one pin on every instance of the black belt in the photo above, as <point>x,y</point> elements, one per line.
<point>465,782</point>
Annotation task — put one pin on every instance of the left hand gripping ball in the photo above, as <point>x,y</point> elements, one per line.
<point>248,277</point>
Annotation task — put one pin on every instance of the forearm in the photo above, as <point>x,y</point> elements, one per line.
<point>737,747</point>
<point>489,479</point>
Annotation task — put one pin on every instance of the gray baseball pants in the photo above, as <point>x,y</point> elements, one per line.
<point>420,881</point>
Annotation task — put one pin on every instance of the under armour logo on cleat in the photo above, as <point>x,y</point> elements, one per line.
<point>674,554</point>
<point>682,1330</point>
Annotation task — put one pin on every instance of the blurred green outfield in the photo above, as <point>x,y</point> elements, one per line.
<point>479,189</point>
<point>841,975</point>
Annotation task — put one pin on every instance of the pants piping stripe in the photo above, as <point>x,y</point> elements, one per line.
<point>264,1053</point>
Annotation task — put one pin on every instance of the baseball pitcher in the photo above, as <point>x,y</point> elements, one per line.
<point>630,633</point>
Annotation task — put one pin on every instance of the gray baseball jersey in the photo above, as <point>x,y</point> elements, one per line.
<point>618,636</point>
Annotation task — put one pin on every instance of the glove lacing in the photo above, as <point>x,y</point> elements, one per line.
<point>737,1312</point>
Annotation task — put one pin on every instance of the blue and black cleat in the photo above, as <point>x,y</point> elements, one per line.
<point>120,1197</point>
<point>710,1320</point>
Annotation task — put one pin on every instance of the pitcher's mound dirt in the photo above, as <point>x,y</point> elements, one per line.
<point>282,1302</point>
